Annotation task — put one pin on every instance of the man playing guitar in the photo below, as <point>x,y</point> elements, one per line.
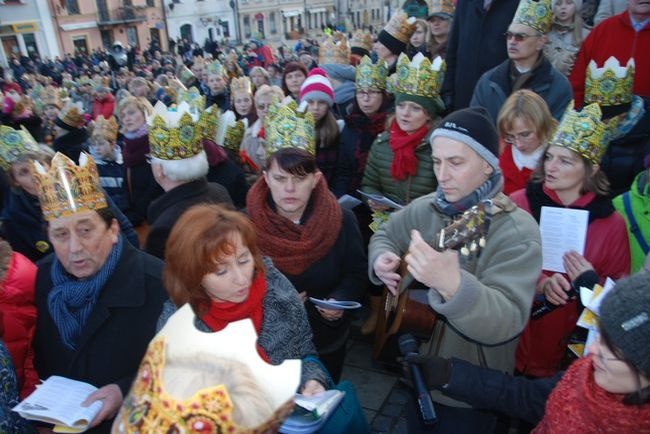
<point>482,300</point>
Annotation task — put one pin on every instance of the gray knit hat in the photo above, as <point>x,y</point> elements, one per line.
<point>625,318</point>
<point>473,127</point>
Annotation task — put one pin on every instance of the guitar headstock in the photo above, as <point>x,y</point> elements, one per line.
<point>466,233</point>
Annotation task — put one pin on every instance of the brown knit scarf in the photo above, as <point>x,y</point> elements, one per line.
<point>293,248</point>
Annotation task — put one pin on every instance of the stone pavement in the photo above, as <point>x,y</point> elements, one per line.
<point>380,392</point>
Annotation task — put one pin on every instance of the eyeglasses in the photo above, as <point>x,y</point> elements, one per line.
<point>518,36</point>
<point>368,93</point>
<point>511,139</point>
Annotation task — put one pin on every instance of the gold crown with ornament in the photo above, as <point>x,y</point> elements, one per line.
<point>334,50</point>
<point>418,77</point>
<point>241,85</point>
<point>582,132</point>
<point>193,98</point>
<point>72,115</point>
<point>442,7</point>
<point>371,74</point>
<point>65,188</point>
<point>400,26</point>
<point>230,131</point>
<point>14,144</point>
<point>209,122</point>
<point>50,95</point>
<point>105,128</point>
<point>537,14</point>
<point>610,85</point>
<point>288,127</point>
<point>174,134</point>
<point>362,40</point>
<point>215,67</point>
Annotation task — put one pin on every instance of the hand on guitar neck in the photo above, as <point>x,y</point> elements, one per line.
<point>385,268</point>
<point>439,270</point>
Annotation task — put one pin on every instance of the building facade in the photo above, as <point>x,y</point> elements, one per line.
<point>84,25</point>
<point>26,30</point>
<point>201,20</point>
<point>364,14</point>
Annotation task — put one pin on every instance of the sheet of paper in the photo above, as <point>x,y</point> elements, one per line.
<point>381,200</point>
<point>562,230</point>
<point>335,304</point>
<point>594,304</point>
<point>348,202</point>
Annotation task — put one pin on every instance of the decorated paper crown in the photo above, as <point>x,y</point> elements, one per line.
<point>241,85</point>
<point>288,127</point>
<point>361,40</point>
<point>537,14</point>
<point>51,96</point>
<point>230,131</point>
<point>14,144</point>
<point>610,85</point>
<point>334,49</point>
<point>418,77</point>
<point>65,188</point>
<point>208,406</point>
<point>443,8</point>
<point>174,134</point>
<point>71,115</point>
<point>193,98</point>
<point>217,68</point>
<point>209,122</point>
<point>371,75</point>
<point>400,26</point>
<point>581,132</point>
<point>105,128</point>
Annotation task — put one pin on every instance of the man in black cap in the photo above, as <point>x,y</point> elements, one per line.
<point>482,300</point>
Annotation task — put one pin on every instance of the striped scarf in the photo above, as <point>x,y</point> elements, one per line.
<point>70,301</point>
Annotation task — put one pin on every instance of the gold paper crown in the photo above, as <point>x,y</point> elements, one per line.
<point>193,98</point>
<point>418,77</point>
<point>66,188</point>
<point>51,96</point>
<point>371,75</point>
<point>361,39</point>
<point>442,7</point>
<point>174,134</point>
<point>537,14</point>
<point>230,131</point>
<point>216,68</point>
<point>334,49</point>
<point>581,132</point>
<point>105,128</point>
<point>241,85</point>
<point>14,144</point>
<point>610,85</point>
<point>209,122</point>
<point>71,115</point>
<point>400,26</point>
<point>287,127</point>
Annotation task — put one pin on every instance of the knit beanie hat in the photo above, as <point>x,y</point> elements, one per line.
<point>317,87</point>
<point>473,127</point>
<point>625,318</point>
<point>432,105</point>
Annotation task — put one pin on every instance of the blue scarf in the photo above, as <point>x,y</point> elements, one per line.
<point>492,186</point>
<point>70,301</point>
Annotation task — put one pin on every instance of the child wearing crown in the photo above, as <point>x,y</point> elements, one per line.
<point>217,81</point>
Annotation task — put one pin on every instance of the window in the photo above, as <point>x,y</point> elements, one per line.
<point>132,36</point>
<point>247,26</point>
<point>72,7</point>
<point>272,27</point>
<point>151,3</point>
<point>80,44</point>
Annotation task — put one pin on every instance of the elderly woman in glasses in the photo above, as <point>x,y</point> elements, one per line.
<point>525,125</point>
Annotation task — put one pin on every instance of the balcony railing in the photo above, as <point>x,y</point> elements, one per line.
<point>122,15</point>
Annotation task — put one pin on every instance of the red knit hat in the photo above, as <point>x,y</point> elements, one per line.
<point>317,87</point>
<point>12,86</point>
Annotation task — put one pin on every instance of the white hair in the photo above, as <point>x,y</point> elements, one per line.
<point>185,170</point>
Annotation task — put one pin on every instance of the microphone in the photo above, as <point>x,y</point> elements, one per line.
<point>547,307</point>
<point>408,345</point>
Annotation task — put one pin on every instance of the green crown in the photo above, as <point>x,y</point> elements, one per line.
<point>14,144</point>
<point>537,14</point>
<point>610,85</point>
<point>581,132</point>
<point>418,77</point>
<point>174,134</point>
<point>371,75</point>
<point>287,127</point>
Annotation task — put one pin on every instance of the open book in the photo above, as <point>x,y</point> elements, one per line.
<point>58,401</point>
<point>311,412</point>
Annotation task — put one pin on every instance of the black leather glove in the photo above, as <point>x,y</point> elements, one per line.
<point>435,370</point>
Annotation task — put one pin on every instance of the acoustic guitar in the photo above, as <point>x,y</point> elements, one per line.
<point>409,312</point>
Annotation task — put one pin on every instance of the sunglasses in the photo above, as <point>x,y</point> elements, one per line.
<point>519,36</point>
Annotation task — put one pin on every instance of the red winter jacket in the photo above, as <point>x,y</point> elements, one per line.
<point>19,317</point>
<point>104,107</point>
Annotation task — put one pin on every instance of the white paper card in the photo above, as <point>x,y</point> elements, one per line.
<point>562,230</point>
<point>594,303</point>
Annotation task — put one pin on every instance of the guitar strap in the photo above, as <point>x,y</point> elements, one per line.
<point>634,227</point>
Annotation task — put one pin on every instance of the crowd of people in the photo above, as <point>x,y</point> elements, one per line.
<point>149,200</point>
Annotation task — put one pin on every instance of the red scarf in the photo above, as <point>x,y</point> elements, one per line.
<point>403,145</point>
<point>579,405</point>
<point>293,248</point>
<point>220,314</point>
